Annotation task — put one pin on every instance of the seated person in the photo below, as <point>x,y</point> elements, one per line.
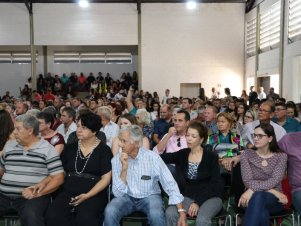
<point>83,196</point>
<point>291,144</point>
<point>198,176</point>
<point>136,176</point>
<point>127,120</point>
<point>262,172</point>
<point>30,170</point>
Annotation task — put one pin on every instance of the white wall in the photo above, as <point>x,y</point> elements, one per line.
<point>14,24</point>
<point>99,24</point>
<point>201,46</point>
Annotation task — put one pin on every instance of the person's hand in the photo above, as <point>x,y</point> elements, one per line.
<point>282,198</point>
<point>78,199</point>
<point>124,160</point>
<point>37,188</point>
<point>193,210</point>
<point>182,221</point>
<point>27,193</point>
<point>172,131</point>
<point>227,163</point>
<point>245,198</point>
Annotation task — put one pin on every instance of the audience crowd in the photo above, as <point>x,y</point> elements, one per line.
<point>61,151</point>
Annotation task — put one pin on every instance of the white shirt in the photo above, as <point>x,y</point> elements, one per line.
<point>111,130</point>
<point>262,96</point>
<point>249,130</point>
<point>61,130</point>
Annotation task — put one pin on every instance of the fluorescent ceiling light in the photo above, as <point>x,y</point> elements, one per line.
<point>83,3</point>
<point>191,5</point>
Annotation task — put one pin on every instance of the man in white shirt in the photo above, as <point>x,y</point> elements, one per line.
<point>265,114</point>
<point>68,125</point>
<point>110,128</point>
<point>187,105</point>
<point>261,94</point>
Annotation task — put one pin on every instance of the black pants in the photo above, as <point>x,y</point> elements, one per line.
<point>31,211</point>
<point>88,213</point>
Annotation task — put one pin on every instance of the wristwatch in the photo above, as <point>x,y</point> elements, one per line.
<point>181,210</point>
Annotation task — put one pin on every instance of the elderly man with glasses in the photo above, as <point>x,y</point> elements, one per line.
<point>265,114</point>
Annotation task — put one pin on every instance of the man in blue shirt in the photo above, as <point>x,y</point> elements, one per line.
<point>136,176</point>
<point>289,124</point>
<point>162,126</point>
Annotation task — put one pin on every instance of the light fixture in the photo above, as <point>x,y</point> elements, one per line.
<point>191,5</point>
<point>83,3</point>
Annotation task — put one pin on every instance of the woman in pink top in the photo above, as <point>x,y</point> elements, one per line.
<point>262,172</point>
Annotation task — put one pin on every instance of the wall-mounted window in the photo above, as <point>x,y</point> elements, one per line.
<point>94,58</point>
<point>251,37</point>
<point>270,27</point>
<point>65,58</point>
<point>294,20</point>
<point>16,58</point>
<point>118,58</point>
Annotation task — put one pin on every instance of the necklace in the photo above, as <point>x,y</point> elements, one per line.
<point>78,154</point>
<point>264,163</point>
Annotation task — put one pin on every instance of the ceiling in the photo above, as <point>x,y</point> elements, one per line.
<point>125,1</point>
<point>249,3</point>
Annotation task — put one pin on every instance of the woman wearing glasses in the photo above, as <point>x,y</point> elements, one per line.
<point>262,172</point>
<point>198,176</point>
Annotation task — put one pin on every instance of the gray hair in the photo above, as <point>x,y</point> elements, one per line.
<point>33,112</point>
<point>145,116</point>
<point>135,133</point>
<point>105,111</point>
<point>29,121</point>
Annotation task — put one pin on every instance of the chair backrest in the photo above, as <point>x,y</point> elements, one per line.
<point>286,189</point>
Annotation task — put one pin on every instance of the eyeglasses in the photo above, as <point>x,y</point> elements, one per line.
<point>258,136</point>
<point>179,142</point>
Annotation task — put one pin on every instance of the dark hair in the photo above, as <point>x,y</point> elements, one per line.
<point>269,130</point>
<point>291,104</point>
<point>281,104</point>
<point>227,91</point>
<point>91,121</point>
<point>70,112</point>
<point>187,115</point>
<point>130,117</point>
<point>189,100</point>
<point>117,107</point>
<point>202,130</point>
<point>47,117</point>
<point>6,128</point>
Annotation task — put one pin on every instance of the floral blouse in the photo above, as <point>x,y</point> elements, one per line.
<point>226,146</point>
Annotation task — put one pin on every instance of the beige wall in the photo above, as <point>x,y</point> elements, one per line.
<point>201,46</point>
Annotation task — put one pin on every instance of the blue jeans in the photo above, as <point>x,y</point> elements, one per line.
<point>122,206</point>
<point>260,206</point>
<point>297,200</point>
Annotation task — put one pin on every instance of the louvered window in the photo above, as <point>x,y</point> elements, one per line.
<point>251,37</point>
<point>294,20</point>
<point>270,27</point>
